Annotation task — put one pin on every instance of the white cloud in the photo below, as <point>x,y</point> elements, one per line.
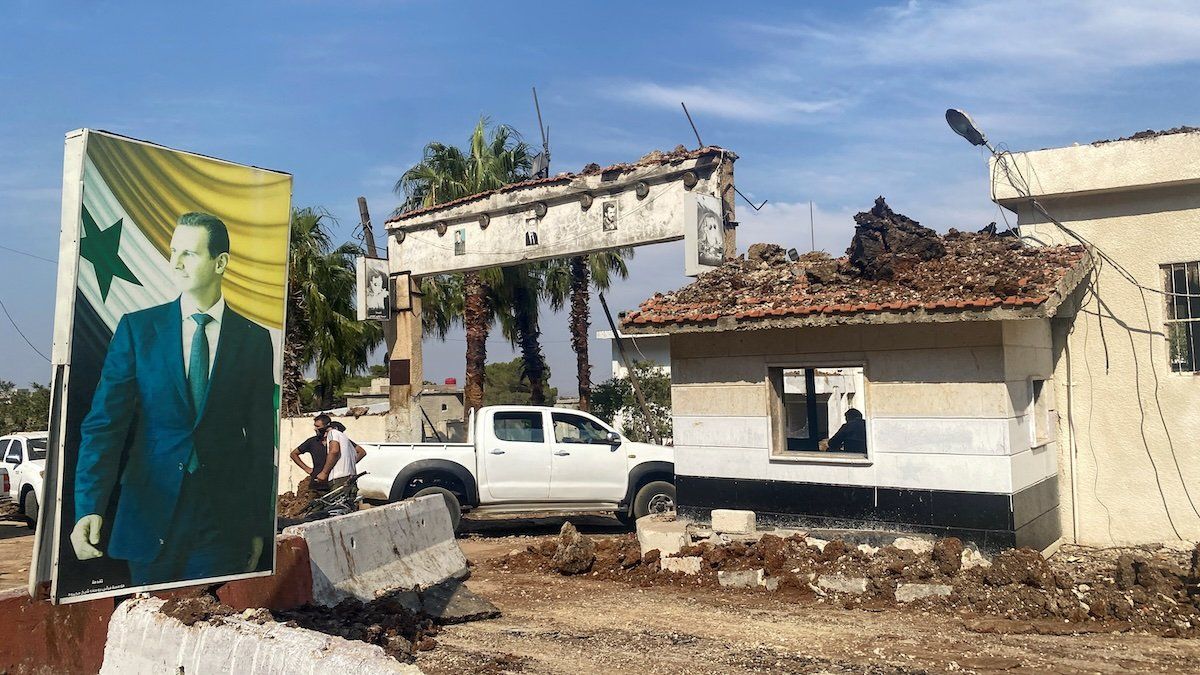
<point>732,103</point>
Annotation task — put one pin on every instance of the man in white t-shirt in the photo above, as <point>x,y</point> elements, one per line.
<point>341,456</point>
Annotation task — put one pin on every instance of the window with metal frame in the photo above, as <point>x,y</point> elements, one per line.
<point>1182,284</point>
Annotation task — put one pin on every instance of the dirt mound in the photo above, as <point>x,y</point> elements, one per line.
<point>385,621</point>
<point>1154,592</point>
<point>193,609</point>
<point>884,240</point>
<point>292,504</point>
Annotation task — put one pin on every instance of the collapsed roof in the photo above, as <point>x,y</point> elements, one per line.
<point>895,271</point>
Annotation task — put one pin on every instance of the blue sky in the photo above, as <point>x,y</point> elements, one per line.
<point>834,103</point>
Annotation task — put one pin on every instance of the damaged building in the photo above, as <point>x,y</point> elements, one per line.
<point>1015,388</point>
<point>936,349</point>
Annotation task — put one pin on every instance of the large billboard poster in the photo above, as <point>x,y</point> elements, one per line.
<point>168,339</point>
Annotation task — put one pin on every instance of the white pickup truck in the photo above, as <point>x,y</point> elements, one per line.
<point>527,458</point>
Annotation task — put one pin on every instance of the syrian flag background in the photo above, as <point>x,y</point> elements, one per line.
<point>123,216</point>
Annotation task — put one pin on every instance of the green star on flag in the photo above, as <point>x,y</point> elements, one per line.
<point>101,247</point>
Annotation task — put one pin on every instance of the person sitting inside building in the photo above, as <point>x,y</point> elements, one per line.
<point>852,437</point>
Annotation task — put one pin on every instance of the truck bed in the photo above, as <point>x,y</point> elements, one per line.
<point>385,460</point>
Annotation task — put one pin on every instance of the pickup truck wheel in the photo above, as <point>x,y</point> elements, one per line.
<point>31,508</point>
<point>655,497</point>
<point>451,503</point>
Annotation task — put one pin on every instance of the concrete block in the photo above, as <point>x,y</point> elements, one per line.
<point>973,558</point>
<point>733,521</point>
<point>687,564</point>
<point>288,588</point>
<point>143,640</point>
<point>41,637</point>
<point>740,578</point>
<point>370,552</point>
<point>771,583</point>
<point>666,536</point>
<point>910,592</point>
<point>838,584</point>
<point>914,544</point>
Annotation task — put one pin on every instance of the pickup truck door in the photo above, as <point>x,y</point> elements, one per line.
<point>585,466</point>
<point>516,456</point>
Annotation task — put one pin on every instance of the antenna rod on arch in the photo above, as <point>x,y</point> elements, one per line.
<point>694,131</point>
<point>544,131</point>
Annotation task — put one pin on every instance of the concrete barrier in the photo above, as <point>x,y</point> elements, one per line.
<point>369,552</point>
<point>289,588</point>
<point>143,640</point>
<point>39,637</point>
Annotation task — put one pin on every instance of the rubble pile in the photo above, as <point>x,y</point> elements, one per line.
<point>891,259</point>
<point>385,621</point>
<point>292,504</point>
<point>884,240</point>
<point>1155,591</point>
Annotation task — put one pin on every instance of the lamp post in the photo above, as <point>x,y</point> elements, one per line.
<point>964,126</point>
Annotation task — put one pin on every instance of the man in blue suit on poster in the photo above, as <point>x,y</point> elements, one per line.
<point>183,418</point>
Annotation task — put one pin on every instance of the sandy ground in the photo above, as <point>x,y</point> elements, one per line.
<point>576,625</point>
<point>16,551</point>
<point>555,624</point>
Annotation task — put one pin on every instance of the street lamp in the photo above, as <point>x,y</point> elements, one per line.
<point>964,126</point>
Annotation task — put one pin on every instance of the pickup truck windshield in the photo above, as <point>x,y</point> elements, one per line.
<point>37,448</point>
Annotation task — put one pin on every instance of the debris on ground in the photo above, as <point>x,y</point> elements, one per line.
<point>893,264</point>
<point>574,553</point>
<point>192,609</point>
<point>396,621</point>
<point>293,503</point>
<point>1147,590</point>
<point>10,511</point>
<point>386,621</point>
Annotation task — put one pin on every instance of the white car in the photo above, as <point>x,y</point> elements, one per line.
<point>527,458</point>
<point>23,455</point>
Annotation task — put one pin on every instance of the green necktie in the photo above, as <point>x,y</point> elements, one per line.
<point>198,375</point>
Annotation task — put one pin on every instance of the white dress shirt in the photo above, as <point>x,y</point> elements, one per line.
<point>212,330</point>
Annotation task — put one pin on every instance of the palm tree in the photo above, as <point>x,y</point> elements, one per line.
<point>570,279</point>
<point>446,173</point>
<point>322,329</point>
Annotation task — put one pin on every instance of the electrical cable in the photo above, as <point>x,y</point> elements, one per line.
<point>1004,159</point>
<point>26,253</point>
<point>21,333</point>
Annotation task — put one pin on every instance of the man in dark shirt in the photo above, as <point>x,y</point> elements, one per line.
<point>315,448</point>
<point>852,437</point>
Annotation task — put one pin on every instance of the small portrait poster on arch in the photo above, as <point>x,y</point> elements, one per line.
<point>374,302</point>
<point>703,233</point>
<point>167,357</point>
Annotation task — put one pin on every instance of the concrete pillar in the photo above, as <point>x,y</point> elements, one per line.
<point>728,204</point>
<point>405,369</point>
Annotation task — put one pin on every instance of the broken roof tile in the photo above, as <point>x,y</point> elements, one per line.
<point>971,271</point>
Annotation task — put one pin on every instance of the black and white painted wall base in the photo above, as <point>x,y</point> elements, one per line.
<point>991,521</point>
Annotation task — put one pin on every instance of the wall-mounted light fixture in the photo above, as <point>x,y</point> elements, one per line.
<point>400,234</point>
<point>484,221</point>
<point>585,201</point>
<point>642,189</point>
<point>441,228</point>
<point>690,179</point>
<point>540,209</point>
